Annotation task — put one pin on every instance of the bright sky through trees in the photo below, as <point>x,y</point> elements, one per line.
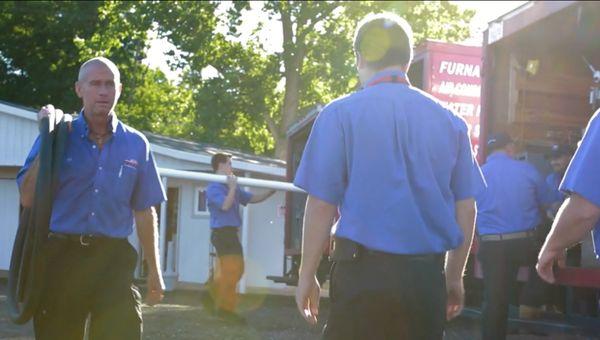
<point>270,34</point>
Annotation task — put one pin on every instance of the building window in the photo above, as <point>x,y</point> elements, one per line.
<point>200,207</point>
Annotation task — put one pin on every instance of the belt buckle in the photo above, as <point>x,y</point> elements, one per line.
<point>82,241</point>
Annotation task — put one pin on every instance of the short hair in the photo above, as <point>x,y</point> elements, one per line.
<point>383,40</point>
<point>219,158</point>
<point>99,61</point>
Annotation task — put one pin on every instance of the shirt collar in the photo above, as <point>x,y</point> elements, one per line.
<point>386,73</point>
<point>498,156</point>
<point>81,127</point>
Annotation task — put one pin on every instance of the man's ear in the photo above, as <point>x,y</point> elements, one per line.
<point>78,89</point>
<point>118,95</point>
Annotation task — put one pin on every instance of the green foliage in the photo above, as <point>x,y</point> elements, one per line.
<point>260,93</point>
<point>257,93</point>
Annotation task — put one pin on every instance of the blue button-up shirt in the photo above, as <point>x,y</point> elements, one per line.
<point>215,196</point>
<point>394,161</point>
<point>553,182</point>
<point>514,196</point>
<point>583,174</point>
<point>99,189</point>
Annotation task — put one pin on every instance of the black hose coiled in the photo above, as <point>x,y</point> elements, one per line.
<point>28,261</point>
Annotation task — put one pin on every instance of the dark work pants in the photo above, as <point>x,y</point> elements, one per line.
<point>536,291</point>
<point>387,297</point>
<point>500,262</point>
<point>94,280</point>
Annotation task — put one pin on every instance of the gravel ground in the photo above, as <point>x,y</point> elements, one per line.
<point>181,316</point>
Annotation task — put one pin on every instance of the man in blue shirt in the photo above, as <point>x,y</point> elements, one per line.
<point>400,169</point>
<point>508,211</point>
<point>224,206</point>
<point>580,213</point>
<point>560,156</point>
<point>536,291</point>
<point>107,180</point>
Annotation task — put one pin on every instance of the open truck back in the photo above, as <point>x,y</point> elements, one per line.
<point>540,84</point>
<point>537,81</point>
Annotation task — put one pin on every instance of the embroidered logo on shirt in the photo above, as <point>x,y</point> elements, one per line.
<point>132,163</point>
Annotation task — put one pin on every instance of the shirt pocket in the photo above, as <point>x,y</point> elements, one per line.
<point>124,182</point>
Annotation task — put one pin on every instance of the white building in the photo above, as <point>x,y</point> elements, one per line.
<point>187,259</point>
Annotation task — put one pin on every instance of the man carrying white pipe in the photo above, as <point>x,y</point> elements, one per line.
<point>224,206</point>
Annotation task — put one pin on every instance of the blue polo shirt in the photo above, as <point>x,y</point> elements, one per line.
<point>514,196</point>
<point>395,161</point>
<point>215,196</point>
<point>583,173</point>
<point>98,190</point>
<point>553,182</point>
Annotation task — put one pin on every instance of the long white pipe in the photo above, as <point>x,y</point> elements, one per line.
<point>242,181</point>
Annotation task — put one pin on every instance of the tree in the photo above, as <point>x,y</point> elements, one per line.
<point>258,94</point>
<point>44,43</point>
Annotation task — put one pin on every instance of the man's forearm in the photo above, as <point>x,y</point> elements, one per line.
<point>318,219</point>
<point>27,188</point>
<point>228,202</point>
<point>147,230</point>
<point>576,217</point>
<point>457,258</point>
<point>257,198</point>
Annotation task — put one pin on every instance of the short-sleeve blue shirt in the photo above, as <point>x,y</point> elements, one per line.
<point>215,196</point>
<point>98,190</point>
<point>553,182</point>
<point>514,196</point>
<point>583,174</point>
<point>394,161</point>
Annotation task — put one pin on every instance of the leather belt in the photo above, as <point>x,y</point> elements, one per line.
<point>84,239</point>
<point>508,236</point>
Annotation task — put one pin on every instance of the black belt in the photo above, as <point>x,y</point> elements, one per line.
<point>423,257</point>
<point>507,236</point>
<point>84,239</point>
<point>346,250</point>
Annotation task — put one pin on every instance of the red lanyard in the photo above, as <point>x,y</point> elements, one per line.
<point>390,79</point>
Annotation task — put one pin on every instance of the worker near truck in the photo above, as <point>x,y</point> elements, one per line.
<point>400,169</point>
<point>580,213</point>
<point>537,293</point>
<point>509,210</point>
<point>560,156</point>
<point>108,179</point>
<point>224,201</point>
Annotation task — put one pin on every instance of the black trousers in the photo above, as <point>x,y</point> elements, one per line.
<point>500,262</point>
<point>387,297</point>
<point>94,280</point>
<point>537,292</point>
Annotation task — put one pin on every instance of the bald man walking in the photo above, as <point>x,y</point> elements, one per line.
<point>107,180</point>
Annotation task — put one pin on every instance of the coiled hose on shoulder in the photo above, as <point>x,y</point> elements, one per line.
<point>27,263</point>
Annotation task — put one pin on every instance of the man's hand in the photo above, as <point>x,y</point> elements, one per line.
<point>546,261</point>
<point>231,181</point>
<point>156,288</point>
<point>55,115</point>
<point>307,298</point>
<point>455,299</point>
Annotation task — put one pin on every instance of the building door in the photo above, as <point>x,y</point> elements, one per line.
<point>9,219</point>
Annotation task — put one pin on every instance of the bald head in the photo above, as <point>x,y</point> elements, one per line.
<point>99,62</point>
